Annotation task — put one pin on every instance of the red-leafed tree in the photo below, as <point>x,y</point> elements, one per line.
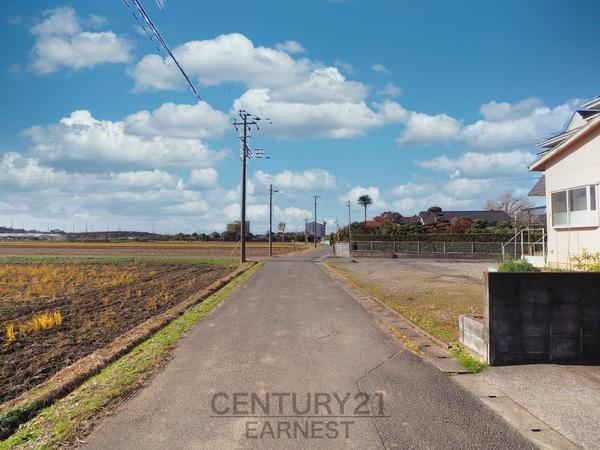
<point>388,217</point>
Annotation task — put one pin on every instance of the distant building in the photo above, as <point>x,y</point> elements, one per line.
<point>491,217</point>
<point>236,227</point>
<point>320,229</point>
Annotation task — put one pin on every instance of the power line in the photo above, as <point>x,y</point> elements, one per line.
<point>142,12</point>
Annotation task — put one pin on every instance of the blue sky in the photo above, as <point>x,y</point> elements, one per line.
<point>415,103</point>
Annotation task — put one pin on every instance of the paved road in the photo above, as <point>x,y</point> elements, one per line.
<point>291,330</point>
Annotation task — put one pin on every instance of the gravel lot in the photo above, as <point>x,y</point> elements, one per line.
<point>430,292</point>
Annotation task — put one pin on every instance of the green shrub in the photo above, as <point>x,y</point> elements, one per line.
<point>519,265</point>
<point>588,262</point>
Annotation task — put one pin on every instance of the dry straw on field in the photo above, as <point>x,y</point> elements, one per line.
<point>39,322</point>
<point>30,282</point>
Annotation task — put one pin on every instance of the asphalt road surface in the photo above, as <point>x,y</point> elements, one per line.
<point>292,347</point>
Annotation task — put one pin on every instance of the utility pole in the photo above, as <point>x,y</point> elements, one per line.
<point>305,232</point>
<point>315,222</point>
<point>247,121</point>
<point>349,232</point>
<point>271,190</point>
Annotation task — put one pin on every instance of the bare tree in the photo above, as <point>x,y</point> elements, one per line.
<point>515,207</point>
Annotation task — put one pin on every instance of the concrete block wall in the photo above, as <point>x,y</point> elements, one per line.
<point>543,317</point>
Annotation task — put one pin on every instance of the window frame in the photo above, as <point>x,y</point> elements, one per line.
<point>584,218</point>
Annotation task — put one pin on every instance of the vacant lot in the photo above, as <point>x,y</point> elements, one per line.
<point>145,249</point>
<point>55,311</point>
<point>431,293</point>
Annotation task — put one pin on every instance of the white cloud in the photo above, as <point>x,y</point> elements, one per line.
<point>202,178</point>
<point>458,193</point>
<point>291,47</point>
<point>526,122</point>
<point>294,216</point>
<point>504,125</point>
<point>425,129</point>
<point>60,42</point>
<point>303,98</point>
<point>313,179</point>
<point>379,204</point>
<point>468,189</point>
<point>380,68</point>
<point>179,120</point>
<point>321,120</point>
<point>38,194</point>
<point>322,85</point>
<point>412,189</point>
<point>226,58</point>
<point>44,196</point>
<point>481,165</point>
<point>83,141</point>
<point>96,21</point>
<point>345,66</point>
<point>390,90</point>
<point>499,112</point>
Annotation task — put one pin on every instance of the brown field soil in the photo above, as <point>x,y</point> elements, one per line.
<point>430,293</point>
<point>53,314</point>
<point>145,249</point>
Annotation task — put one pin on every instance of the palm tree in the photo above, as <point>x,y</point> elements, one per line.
<point>365,200</point>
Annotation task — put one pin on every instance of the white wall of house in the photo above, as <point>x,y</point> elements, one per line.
<point>571,227</point>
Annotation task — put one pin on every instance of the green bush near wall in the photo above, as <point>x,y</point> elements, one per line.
<point>520,265</point>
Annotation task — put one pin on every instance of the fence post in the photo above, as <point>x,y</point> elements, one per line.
<point>394,246</point>
<point>444,246</point>
<point>418,246</point>
<point>371,246</point>
<point>472,248</point>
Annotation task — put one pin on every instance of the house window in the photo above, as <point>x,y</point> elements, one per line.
<point>575,207</point>
<point>559,208</point>
<point>578,199</point>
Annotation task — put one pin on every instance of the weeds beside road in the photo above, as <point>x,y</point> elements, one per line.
<point>430,293</point>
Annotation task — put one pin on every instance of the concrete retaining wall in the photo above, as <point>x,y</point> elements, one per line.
<point>543,317</point>
<point>473,335</point>
<point>341,249</point>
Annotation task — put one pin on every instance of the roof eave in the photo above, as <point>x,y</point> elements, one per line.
<point>540,165</point>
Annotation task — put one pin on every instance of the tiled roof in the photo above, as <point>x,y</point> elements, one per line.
<point>539,189</point>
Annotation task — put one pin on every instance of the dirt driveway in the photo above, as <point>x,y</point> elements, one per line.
<point>430,292</point>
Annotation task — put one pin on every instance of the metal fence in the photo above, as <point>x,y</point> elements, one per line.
<point>464,248</point>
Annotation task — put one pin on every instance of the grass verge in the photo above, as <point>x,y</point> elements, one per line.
<point>468,361</point>
<point>59,423</point>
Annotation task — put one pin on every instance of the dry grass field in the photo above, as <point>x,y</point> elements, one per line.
<point>54,311</point>
<point>431,293</point>
<point>145,249</point>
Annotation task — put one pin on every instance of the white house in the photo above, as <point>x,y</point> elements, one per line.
<point>570,162</point>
